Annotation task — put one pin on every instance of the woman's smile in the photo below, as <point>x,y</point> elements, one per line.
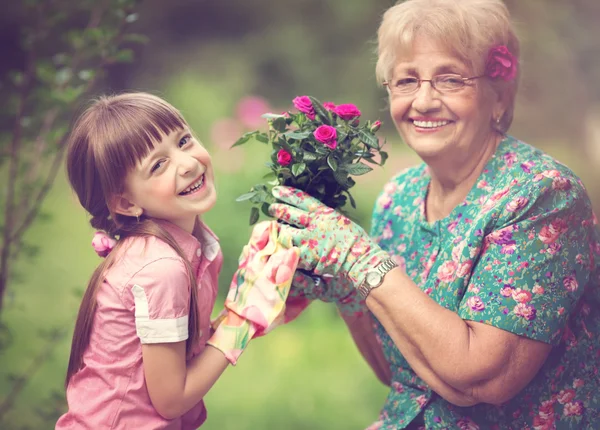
<point>429,125</point>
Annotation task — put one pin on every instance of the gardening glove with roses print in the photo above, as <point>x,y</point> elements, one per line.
<point>338,290</point>
<point>256,301</point>
<point>329,243</point>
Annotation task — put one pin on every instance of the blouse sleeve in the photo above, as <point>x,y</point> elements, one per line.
<point>161,295</point>
<point>534,266</point>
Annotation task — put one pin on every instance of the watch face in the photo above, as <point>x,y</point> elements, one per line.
<point>373,278</point>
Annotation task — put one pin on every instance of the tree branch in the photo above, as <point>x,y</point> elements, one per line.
<point>13,169</point>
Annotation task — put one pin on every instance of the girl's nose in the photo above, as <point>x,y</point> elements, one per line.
<point>186,164</point>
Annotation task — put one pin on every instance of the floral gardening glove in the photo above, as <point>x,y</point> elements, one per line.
<point>258,291</point>
<point>327,289</point>
<point>330,244</point>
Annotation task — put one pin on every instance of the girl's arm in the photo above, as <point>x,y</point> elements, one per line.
<point>362,331</point>
<point>174,386</point>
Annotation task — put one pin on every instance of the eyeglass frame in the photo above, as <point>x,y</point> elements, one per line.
<point>433,86</point>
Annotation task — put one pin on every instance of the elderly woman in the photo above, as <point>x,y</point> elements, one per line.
<point>482,298</point>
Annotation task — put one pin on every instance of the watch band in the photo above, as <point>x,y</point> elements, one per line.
<point>382,269</point>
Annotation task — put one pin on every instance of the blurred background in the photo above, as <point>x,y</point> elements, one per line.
<point>224,63</point>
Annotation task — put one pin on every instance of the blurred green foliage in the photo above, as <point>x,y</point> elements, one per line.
<point>206,56</point>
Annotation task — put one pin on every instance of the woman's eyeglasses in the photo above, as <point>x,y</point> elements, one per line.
<point>441,83</point>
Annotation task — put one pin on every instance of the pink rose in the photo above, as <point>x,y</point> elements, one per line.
<point>375,126</point>
<point>283,157</point>
<point>447,271</point>
<point>329,106</point>
<point>561,184</point>
<point>102,243</point>
<point>517,204</point>
<point>501,63</point>
<point>538,289</point>
<point>550,233</point>
<point>464,269</point>
<point>475,303</point>
<point>304,105</point>
<point>467,423</point>
<point>525,311</point>
<point>573,409</point>
<point>347,111</point>
<point>571,283</point>
<point>327,135</point>
<point>507,291</point>
<point>521,296</point>
<point>565,396</point>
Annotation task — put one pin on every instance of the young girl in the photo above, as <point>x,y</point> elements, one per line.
<point>139,358</point>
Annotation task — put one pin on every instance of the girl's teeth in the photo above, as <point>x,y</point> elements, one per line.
<point>194,186</point>
<point>430,124</point>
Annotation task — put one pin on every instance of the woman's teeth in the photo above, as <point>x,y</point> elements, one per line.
<point>193,187</point>
<point>430,124</point>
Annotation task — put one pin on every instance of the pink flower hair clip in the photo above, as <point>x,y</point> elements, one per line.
<point>103,244</point>
<point>501,64</point>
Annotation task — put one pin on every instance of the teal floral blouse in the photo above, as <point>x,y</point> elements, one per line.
<point>519,254</point>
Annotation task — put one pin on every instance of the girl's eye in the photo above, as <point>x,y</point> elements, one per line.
<point>156,166</point>
<point>184,140</point>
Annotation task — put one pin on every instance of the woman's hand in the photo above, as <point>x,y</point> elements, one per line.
<point>338,290</point>
<point>330,244</point>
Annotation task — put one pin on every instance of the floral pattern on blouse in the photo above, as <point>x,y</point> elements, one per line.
<point>519,254</point>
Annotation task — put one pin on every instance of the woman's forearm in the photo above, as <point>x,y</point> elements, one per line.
<point>440,346</point>
<point>363,334</point>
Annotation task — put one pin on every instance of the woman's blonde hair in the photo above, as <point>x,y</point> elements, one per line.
<point>467,28</point>
<point>105,143</point>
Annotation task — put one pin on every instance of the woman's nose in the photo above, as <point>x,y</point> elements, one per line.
<point>426,98</point>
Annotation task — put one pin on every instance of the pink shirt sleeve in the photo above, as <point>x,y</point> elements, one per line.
<point>161,296</point>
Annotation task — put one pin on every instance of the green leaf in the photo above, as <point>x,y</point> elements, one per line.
<point>340,177</point>
<point>136,38</point>
<point>270,175</point>
<point>272,116</point>
<point>358,169</point>
<point>261,137</point>
<point>384,157</point>
<point>332,162</point>
<point>246,196</point>
<point>245,138</point>
<point>254,214</point>
<point>298,168</point>
<point>321,111</point>
<point>309,156</point>
<point>352,202</point>
<point>265,209</point>
<point>368,139</point>
<point>279,124</point>
<point>124,56</point>
<point>298,135</point>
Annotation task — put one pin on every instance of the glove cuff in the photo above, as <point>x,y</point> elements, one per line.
<point>232,336</point>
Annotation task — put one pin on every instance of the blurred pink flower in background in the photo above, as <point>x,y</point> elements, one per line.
<point>225,132</point>
<point>249,110</point>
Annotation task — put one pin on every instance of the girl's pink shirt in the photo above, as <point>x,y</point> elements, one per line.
<point>144,298</point>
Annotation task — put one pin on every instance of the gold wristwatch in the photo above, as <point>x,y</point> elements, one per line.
<point>374,277</point>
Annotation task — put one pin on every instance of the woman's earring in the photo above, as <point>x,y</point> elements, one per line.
<point>139,214</point>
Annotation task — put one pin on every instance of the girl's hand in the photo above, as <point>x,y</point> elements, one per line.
<point>330,244</point>
<point>258,291</point>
